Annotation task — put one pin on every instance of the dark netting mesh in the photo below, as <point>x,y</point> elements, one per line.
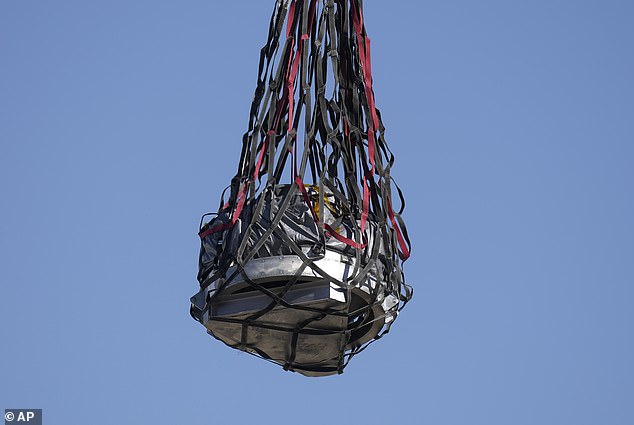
<point>302,264</point>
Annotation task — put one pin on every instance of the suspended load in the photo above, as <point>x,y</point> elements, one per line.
<point>302,263</point>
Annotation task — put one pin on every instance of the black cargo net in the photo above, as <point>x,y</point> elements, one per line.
<point>302,264</point>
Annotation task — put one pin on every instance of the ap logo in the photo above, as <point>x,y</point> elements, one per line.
<point>23,416</point>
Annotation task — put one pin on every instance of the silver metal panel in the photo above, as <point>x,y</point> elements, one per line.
<point>239,300</point>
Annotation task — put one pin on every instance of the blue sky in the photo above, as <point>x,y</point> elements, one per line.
<point>513,128</point>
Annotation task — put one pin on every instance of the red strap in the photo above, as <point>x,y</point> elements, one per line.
<point>366,204</point>
<point>302,188</point>
<point>290,81</point>
<point>291,18</point>
<point>265,146</point>
<point>405,253</point>
<point>215,229</point>
<point>236,215</point>
<point>332,232</point>
<point>242,196</point>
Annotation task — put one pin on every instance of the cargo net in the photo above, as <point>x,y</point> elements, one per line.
<point>302,264</point>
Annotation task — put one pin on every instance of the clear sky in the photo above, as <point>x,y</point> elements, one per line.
<point>513,128</point>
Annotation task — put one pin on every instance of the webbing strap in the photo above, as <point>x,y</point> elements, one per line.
<point>314,115</point>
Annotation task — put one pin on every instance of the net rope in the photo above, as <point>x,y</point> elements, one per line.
<point>315,149</point>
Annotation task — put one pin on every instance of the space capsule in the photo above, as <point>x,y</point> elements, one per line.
<point>302,265</point>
